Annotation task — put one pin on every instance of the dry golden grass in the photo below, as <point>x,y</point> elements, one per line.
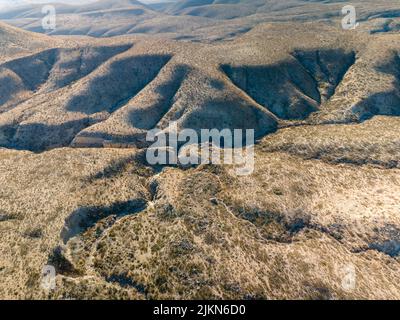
<point>374,142</point>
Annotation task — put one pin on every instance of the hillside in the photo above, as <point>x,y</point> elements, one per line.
<point>199,20</point>
<point>99,98</point>
<point>15,42</point>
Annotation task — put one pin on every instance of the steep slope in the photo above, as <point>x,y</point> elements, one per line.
<point>295,88</point>
<point>49,70</point>
<point>89,95</point>
<point>14,41</point>
<point>318,218</point>
<point>95,19</point>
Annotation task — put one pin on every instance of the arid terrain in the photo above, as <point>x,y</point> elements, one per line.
<point>77,193</point>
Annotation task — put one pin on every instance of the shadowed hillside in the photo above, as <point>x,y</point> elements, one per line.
<point>88,94</point>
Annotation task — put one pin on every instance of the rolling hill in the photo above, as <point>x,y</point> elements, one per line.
<point>200,20</point>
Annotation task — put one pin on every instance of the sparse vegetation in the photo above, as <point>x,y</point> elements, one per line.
<point>77,193</point>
